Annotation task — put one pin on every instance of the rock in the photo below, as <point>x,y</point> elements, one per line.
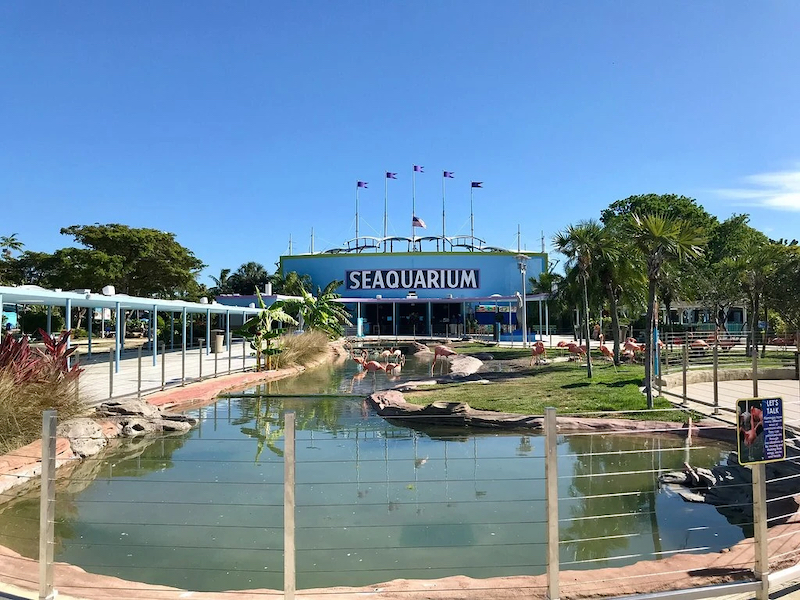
<point>86,436</point>
<point>483,356</point>
<point>132,407</point>
<point>417,348</point>
<point>172,425</point>
<point>137,427</point>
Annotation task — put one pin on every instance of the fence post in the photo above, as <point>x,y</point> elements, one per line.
<point>289,576</point>
<point>163,365</point>
<point>755,367</point>
<point>139,373</point>
<point>47,506</point>
<point>685,368</point>
<point>200,341</point>
<point>111,373</point>
<point>760,530</point>
<point>716,374</point>
<point>244,354</point>
<point>216,354</point>
<point>551,501</point>
<point>230,353</point>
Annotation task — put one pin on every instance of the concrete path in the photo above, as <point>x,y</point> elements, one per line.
<point>96,380</point>
<point>731,391</point>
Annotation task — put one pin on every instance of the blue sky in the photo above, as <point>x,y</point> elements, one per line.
<point>235,125</point>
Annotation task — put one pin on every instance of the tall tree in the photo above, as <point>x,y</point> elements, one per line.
<point>222,284</point>
<point>153,262</point>
<point>9,244</point>
<point>291,283</point>
<point>661,240</point>
<point>248,278</point>
<point>582,244</point>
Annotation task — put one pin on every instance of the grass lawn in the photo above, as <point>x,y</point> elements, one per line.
<point>517,388</point>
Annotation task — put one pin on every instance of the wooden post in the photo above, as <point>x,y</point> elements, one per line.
<point>289,575</point>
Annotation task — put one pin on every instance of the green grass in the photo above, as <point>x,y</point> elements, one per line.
<point>564,385</point>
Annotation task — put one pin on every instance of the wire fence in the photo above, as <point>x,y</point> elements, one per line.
<point>363,504</point>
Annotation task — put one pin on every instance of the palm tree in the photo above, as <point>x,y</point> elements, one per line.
<point>661,240</point>
<point>248,278</point>
<point>9,243</point>
<point>222,284</point>
<point>581,244</point>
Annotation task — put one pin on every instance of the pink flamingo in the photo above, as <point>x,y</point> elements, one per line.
<point>442,351</point>
<point>385,355</point>
<point>359,359</point>
<point>605,350</point>
<point>576,350</point>
<point>700,345</point>
<point>538,352</point>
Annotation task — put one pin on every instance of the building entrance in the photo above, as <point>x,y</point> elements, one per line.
<point>446,318</point>
<point>379,318</point>
<point>412,319</point>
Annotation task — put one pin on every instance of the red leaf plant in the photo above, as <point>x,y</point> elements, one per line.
<point>28,365</point>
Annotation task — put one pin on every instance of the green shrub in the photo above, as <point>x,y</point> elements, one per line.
<point>33,320</point>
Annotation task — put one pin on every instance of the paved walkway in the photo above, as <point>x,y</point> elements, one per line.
<point>100,382</point>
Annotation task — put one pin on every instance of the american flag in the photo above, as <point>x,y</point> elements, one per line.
<point>477,184</point>
<point>417,222</point>
<point>391,175</point>
<point>362,184</point>
<point>418,169</point>
<point>448,174</point>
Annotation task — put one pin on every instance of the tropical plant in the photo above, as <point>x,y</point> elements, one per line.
<point>33,380</point>
<point>323,312</point>
<point>259,331</point>
<point>583,244</point>
<point>661,240</point>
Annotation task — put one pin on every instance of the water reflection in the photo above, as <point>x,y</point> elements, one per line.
<point>375,500</point>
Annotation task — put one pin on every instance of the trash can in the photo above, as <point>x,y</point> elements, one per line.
<point>217,341</point>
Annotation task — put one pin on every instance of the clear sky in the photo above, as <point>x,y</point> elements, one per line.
<point>236,124</point>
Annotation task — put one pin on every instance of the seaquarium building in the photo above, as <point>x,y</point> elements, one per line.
<point>455,290</point>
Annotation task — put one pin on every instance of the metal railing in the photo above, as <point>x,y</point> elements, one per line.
<point>599,511</point>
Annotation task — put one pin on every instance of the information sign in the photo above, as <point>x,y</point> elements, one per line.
<point>760,430</point>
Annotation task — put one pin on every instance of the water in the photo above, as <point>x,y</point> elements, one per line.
<point>375,501</point>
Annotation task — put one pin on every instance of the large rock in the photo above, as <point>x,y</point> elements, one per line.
<point>86,436</point>
<point>417,348</point>
<point>136,427</point>
<point>133,407</point>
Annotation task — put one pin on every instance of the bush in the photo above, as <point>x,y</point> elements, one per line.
<point>32,321</point>
<point>300,349</point>
<point>32,381</point>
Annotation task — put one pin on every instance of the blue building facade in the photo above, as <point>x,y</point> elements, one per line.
<point>426,293</point>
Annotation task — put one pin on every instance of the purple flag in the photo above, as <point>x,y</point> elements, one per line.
<point>391,175</point>
<point>448,174</point>
<point>418,169</point>
<point>362,184</point>
<point>478,184</point>
<point>417,222</point>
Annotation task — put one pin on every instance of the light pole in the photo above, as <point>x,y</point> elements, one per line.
<point>522,263</point>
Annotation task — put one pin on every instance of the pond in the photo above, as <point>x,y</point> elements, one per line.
<point>375,501</point>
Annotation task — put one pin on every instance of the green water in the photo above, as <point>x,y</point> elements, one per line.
<point>375,501</point>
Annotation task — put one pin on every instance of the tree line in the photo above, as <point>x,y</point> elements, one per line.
<point>648,251</point>
<point>136,261</point>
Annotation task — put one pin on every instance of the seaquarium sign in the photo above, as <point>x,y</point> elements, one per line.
<point>413,279</point>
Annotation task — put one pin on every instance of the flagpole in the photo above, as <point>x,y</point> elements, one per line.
<point>471,216</point>
<point>385,208</point>
<point>356,215</point>
<point>413,203</point>
<point>443,234</point>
